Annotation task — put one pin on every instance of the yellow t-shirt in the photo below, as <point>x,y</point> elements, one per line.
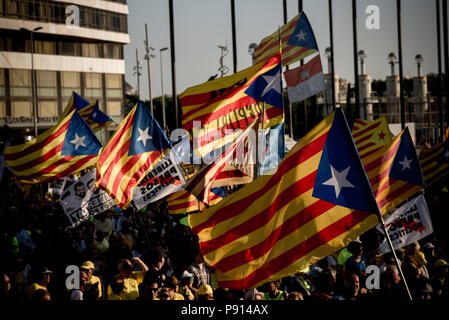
<point>179,296</point>
<point>32,288</point>
<point>95,280</point>
<point>130,286</point>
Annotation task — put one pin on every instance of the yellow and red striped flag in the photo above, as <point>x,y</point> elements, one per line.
<point>134,149</point>
<point>394,172</point>
<point>222,104</point>
<point>370,136</point>
<point>201,183</point>
<point>89,111</point>
<point>66,148</point>
<point>184,202</point>
<point>297,38</point>
<point>435,162</point>
<point>318,201</point>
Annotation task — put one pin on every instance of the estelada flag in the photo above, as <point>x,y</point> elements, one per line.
<point>66,148</point>
<point>305,81</point>
<point>318,201</point>
<point>297,38</point>
<point>435,162</point>
<point>369,136</point>
<point>184,202</point>
<point>89,111</point>
<point>137,145</point>
<point>394,172</point>
<point>222,104</point>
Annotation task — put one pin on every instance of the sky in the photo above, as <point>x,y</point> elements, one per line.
<point>200,26</point>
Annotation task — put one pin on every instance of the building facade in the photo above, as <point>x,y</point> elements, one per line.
<point>79,47</point>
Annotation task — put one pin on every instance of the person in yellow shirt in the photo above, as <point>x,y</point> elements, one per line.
<point>43,281</point>
<point>92,280</point>
<point>131,279</point>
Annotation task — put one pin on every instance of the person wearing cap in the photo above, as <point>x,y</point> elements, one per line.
<point>92,280</point>
<point>429,252</point>
<point>41,283</point>
<point>439,279</point>
<point>131,279</point>
<point>205,292</point>
<point>173,283</point>
<point>185,284</point>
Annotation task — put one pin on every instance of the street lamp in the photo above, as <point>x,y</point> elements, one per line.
<point>33,77</point>
<point>362,56</point>
<point>251,48</point>
<point>147,57</point>
<point>392,59</point>
<point>162,89</point>
<point>419,59</point>
<point>137,73</point>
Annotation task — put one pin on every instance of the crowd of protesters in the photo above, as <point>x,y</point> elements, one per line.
<point>149,255</point>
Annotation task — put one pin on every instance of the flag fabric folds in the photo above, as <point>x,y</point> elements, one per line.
<point>370,136</point>
<point>298,41</point>
<point>435,162</point>
<point>134,149</point>
<point>89,111</point>
<point>305,81</point>
<point>184,202</point>
<point>66,148</point>
<point>318,200</point>
<point>210,110</point>
<point>394,172</point>
<point>201,184</point>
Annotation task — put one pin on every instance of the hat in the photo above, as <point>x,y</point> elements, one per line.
<point>428,245</point>
<point>88,265</point>
<point>440,263</point>
<point>205,290</point>
<point>45,270</point>
<point>173,280</point>
<point>186,274</point>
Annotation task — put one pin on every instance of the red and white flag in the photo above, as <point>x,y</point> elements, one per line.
<point>305,81</point>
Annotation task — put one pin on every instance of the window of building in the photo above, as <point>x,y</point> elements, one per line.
<point>114,81</point>
<point>2,109</point>
<point>21,109</point>
<point>48,108</point>
<point>90,50</point>
<point>93,88</point>
<point>46,83</point>
<point>70,81</point>
<point>69,48</point>
<point>114,108</point>
<point>112,51</point>
<point>20,82</point>
<point>44,47</point>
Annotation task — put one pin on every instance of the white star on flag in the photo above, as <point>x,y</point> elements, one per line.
<point>273,82</point>
<point>78,141</point>
<point>405,163</point>
<point>338,180</point>
<point>301,36</point>
<point>144,136</point>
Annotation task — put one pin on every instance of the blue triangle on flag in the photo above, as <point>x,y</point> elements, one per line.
<point>274,149</point>
<point>98,116</point>
<point>303,35</point>
<point>79,102</point>
<point>79,139</point>
<point>267,87</point>
<point>220,191</point>
<point>405,164</point>
<point>341,178</point>
<point>146,135</point>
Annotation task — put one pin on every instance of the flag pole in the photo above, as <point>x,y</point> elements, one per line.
<point>440,76</point>
<point>390,244</point>
<point>263,141</point>
<point>331,31</point>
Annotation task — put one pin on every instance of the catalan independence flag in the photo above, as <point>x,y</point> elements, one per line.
<point>435,162</point>
<point>223,104</point>
<point>298,41</point>
<point>136,146</point>
<point>318,201</point>
<point>201,183</point>
<point>68,147</point>
<point>394,172</point>
<point>370,136</point>
<point>184,202</point>
<point>89,111</point>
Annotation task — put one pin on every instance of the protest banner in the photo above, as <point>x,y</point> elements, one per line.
<point>82,200</point>
<point>407,224</point>
<point>57,186</point>
<point>166,178</point>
